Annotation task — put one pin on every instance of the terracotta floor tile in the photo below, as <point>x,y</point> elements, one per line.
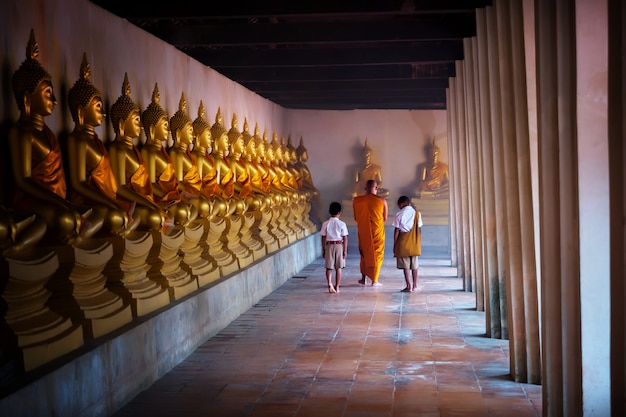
<point>365,352</point>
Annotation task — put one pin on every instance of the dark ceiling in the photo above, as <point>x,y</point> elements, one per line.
<point>322,54</point>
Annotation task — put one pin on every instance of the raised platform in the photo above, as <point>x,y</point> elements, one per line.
<point>124,362</point>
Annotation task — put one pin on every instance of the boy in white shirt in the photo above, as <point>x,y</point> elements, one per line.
<point>334,234</point>
<point>403,223</point>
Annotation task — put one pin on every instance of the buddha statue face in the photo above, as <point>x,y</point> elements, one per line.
<point>186,134</point>
<point>42,100</point>
<point>367,156</point>
<point>260,151</point>
<point>160,131</point>
<point>132,125</point>
<point>434,154</point>
<point>269,155</point>
<point>250,150</point>
<point>94,112</point>
<point>237,146</point>
<point>221,144</point>
<point>204,140</point>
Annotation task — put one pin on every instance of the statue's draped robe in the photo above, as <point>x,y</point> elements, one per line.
<point>48,173</point>
<point>101,178</point>
<point>368,213</point>
<point>168,183</point>
<point>140,180</point>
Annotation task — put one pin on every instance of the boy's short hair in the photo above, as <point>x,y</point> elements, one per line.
<point>335,208</point>
<point>404,199</point>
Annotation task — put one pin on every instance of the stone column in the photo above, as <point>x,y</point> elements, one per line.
<point>498,171</point>
<point>451,139</point>
<point>515,292</point>
<point>455,182</point>
<point>473,163</point>
<point>558,199</point>
<point>492,308</point>
<point>463,174</point>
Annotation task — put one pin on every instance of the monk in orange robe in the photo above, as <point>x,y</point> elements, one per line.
<point>370,213</point>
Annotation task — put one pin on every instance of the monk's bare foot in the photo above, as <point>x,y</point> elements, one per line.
<point>362,281</point>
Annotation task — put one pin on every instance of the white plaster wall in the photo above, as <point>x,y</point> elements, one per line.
<point>335,141</point>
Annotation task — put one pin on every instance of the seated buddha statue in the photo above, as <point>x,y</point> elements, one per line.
<point>159,165</point>
<point>92,179</point>
<point>202,152</point>
<point>307,185</point>
<point>434,179</point>
<point>39,181</point>
<point>302,156</point>
<point>242,184</point>
<point>185,167</point>
<point>249,159</point>
<point>368,171</point>
<point>225,172</point>
<point>260,146</point>
<point>127,163</point>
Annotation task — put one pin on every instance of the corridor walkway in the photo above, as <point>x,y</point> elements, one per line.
<point>365,352</point>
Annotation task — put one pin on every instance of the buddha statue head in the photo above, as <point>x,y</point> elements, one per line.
<point>301,152</point>
<point>202,129</point>
<point>291,151</point>
<point>181,124</point>
<point>125,110</point>
<point>29,77</point>
<point>155,119</point>
<point>235,138</point>
<point>249,143</point>
<point>82,94</point>
<point>367,153</point>
<point>434,152</point>
<point>219,133</point>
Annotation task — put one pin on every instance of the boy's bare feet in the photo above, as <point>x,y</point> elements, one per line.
<point>331,289</point>
<point>407,289</point>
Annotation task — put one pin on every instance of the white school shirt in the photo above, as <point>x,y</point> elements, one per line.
<point>405,218</point>
<point>334,229</point>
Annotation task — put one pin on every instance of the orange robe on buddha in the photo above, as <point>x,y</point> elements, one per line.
<point>48,173</point>
<point>368,213</point>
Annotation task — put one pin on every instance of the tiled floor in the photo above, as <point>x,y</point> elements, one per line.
<point>363,352</point>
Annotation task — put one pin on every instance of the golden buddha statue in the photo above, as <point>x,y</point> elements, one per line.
<point>290,157</point>
<point>307,185</point>
<point>260,146</point>
<point>283,179</point>
<point>127,163</point>
<point>184,162</point>
<point>39,182</point>
<point>434,179</point>
<point>159,165</point>
<point>221,150</point>
<point>306,179</point>
<point>252,156</point>
<point>242,184</point>
<point>92,179</point>
<point>369,171</point>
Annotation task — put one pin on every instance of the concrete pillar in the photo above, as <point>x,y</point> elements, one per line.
<point>455,183</point>
<point>453,224</point>
<point>492,297</point>
<point>464,172</point>
<point>498,168</point>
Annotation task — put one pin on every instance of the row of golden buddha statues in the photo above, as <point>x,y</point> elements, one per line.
<point>159,222</point>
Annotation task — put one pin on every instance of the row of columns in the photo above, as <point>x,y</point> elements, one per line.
<point>542,291</point>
